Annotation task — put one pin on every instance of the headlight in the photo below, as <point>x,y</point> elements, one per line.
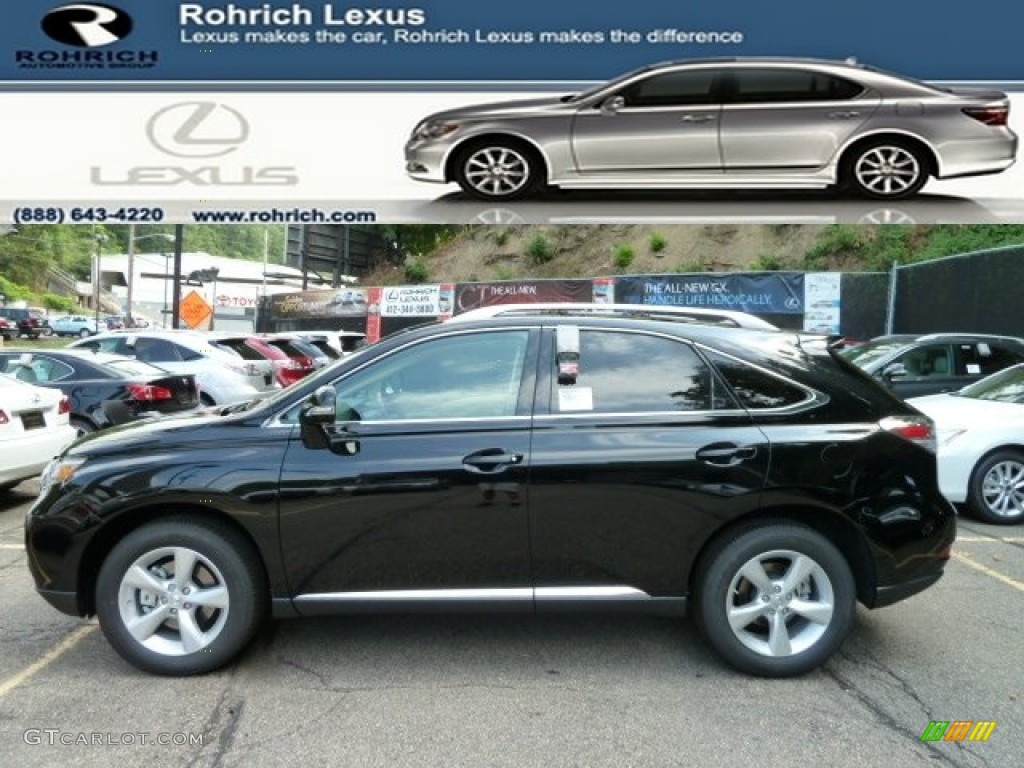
<point>431,130</point>
<point>58,472</point>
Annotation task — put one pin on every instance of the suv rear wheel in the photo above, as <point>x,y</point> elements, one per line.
<point>777,600</point>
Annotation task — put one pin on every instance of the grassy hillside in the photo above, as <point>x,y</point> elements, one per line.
<point>508,253</point>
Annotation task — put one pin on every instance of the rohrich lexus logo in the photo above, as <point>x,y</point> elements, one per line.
<point>87,25</point>
<point>197,131</point>
<point>86,29</point>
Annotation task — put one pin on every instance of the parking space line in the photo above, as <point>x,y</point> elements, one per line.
<point>980,539</point>
<point>47,659</point>
<point>12,546</point>
<point>968,561</point>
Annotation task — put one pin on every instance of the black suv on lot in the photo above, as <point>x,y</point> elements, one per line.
<point>912,365</point>
<point>30,322</point>
<point>528,463</point>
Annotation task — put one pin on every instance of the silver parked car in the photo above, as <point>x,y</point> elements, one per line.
<point>726,124</point>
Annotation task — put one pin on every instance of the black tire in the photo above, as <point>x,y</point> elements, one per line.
<point>884,169</point>
<point>84,333</point>
<point>499,169</point>
<point>721,584</point>
<point>996,491</point>
<point>82,426</point>
<point>225,560</point>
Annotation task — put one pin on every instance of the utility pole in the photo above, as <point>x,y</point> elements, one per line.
<point>179,236</point>
<point>129,320</point>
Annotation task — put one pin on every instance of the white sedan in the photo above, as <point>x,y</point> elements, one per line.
<point>34,427</point>
<point>980,432</point>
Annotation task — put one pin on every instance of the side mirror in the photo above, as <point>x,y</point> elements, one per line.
<point>894,371</point>
<point>321,407</point>
<point>318,420</point>
<point>611,106</point>
<point>315,416</point>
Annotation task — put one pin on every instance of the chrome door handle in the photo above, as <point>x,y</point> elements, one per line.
<point>726,454</point>
<point>843,115</point>
<point>698,118</point>
<point>491,460</point>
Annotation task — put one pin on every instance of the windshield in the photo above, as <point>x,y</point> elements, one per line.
<point>863,355</point>
<point>1007,386</point>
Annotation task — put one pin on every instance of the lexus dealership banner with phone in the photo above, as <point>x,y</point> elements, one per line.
<point>453,111</point>
<point>465,40</point>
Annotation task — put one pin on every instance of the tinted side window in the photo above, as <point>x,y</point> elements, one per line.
<point>755,86</point>
<point>635,373</point>
<point>756,389</point>
<point>672,89</point>
<point>465,376</point>
<point>984,358</point>
<point>928,360</point>
<point>156,351</point>
<point>40,369</point>
<point>185,353</point>
<point>239,347</point>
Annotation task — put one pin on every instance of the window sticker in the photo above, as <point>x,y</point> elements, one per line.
<point>575,399</point>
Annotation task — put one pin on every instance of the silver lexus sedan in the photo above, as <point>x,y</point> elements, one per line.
<point>743,123</point>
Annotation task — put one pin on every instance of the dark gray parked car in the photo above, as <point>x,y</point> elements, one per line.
<point>723,123</point>
<point>912,365</point>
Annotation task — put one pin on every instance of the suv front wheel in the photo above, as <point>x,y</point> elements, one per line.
<point>180,596</point>
<point>777,600</point>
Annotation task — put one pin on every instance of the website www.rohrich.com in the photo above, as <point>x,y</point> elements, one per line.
<point>286,216</point>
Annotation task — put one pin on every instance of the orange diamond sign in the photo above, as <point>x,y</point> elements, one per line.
<point>194,310</point>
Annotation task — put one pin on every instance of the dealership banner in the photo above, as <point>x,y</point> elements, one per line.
<point>411,301</point>
<point>294,112</point>
<point>780,293</point>
<point>468,41</point>
<point>473,295</point>
<point>336,302</point>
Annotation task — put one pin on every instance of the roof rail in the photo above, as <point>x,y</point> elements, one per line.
<point>725,318</point>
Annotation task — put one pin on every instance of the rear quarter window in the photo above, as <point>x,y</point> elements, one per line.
<point>755,389</point>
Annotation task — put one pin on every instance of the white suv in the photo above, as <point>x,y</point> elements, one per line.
<point>223,376</point>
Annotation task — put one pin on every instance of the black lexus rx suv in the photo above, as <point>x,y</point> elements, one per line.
<point>530,463</point>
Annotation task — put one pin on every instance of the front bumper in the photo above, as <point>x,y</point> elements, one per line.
<point>425,160</point>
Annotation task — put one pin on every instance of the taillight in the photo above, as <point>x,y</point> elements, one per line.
<point>65,406</point>
<point>916,429</point>
<point>3,417</point>
<point>149,393</point>
<point>989,115</point>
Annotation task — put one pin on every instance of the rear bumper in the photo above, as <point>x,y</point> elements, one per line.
<point>896,592</point>
<point>65,602</point>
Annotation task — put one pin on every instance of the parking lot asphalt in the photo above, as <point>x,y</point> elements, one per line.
<point>523,690</point>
